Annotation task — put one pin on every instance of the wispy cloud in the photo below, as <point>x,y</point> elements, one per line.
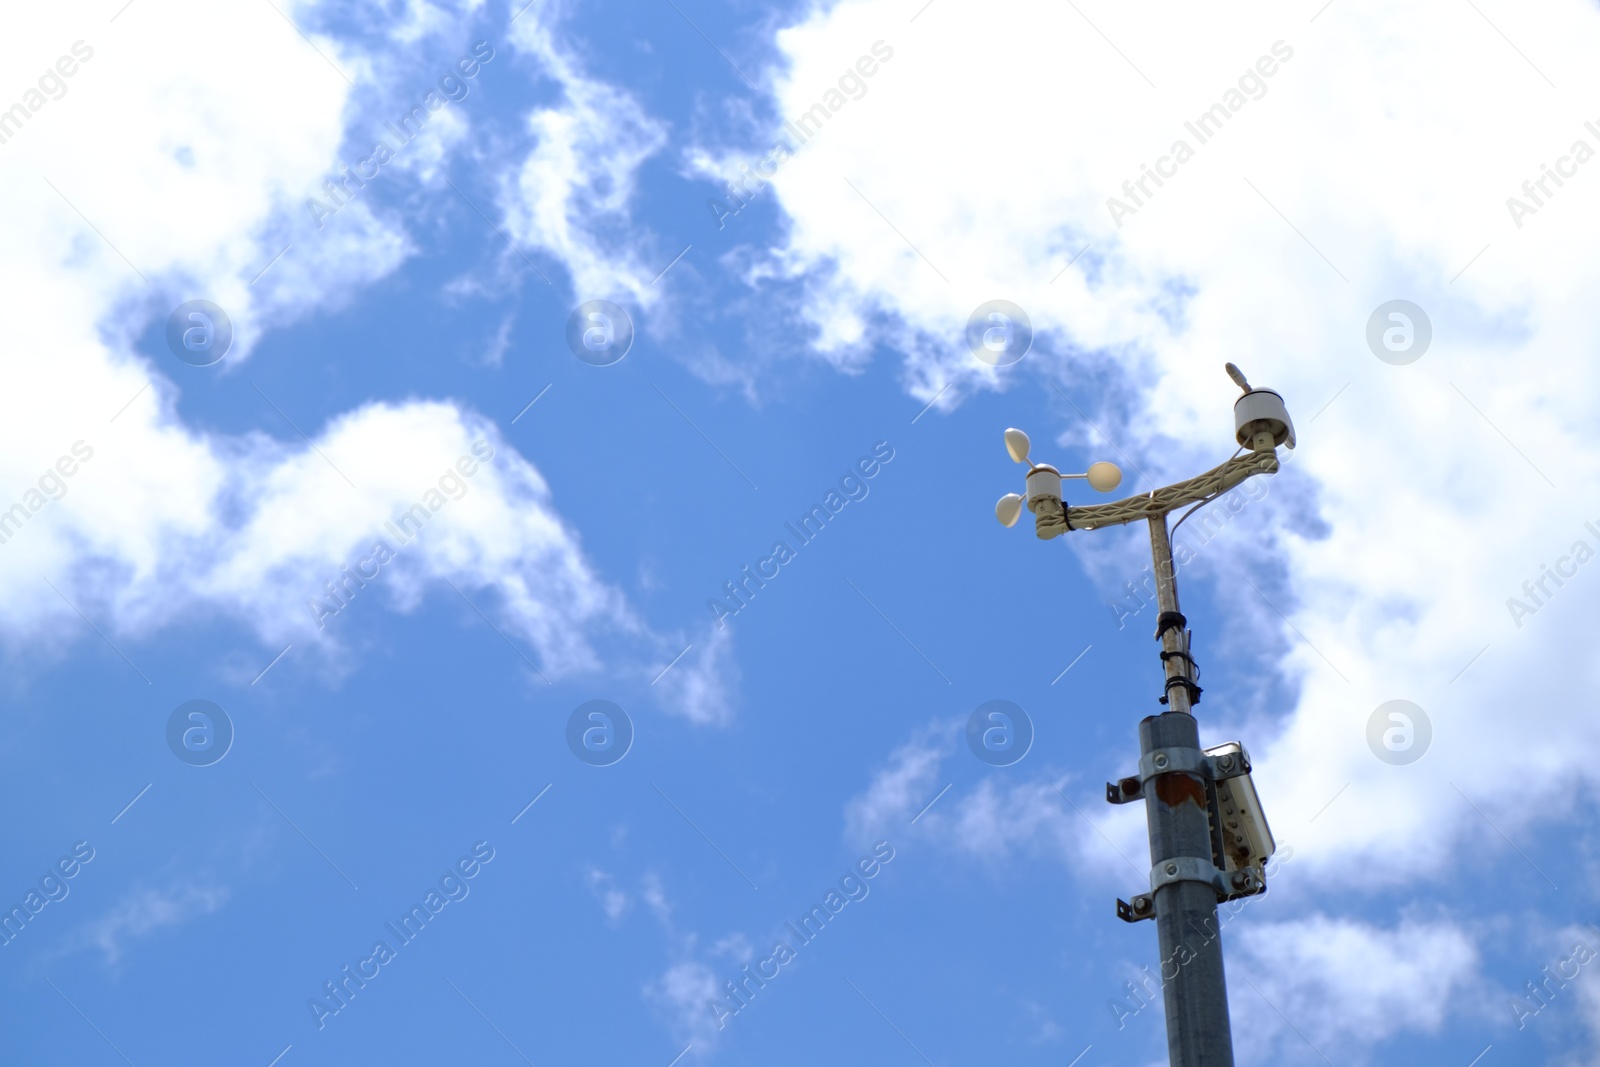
<point>142,913</point>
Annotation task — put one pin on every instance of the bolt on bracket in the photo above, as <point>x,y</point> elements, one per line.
<point>1142,906</point>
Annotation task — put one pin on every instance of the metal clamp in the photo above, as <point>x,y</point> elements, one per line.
<point>1167,760</point>
<point>1246,882</point>
<point>1187,869</point>
<point>1177,760</point>
<point>1160,761</point>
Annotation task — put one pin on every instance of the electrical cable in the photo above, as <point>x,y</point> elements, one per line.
<point>1204,502</point>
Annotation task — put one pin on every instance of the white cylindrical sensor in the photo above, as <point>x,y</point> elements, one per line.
<point>1044,489</point>
<point>1262,411</point>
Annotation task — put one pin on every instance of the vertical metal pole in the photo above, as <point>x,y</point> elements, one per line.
<point>1194,986</point>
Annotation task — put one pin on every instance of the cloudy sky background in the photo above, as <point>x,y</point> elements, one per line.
<point>775,347</point>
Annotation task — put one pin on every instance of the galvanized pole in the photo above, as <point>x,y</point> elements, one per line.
<point>1193,984</point>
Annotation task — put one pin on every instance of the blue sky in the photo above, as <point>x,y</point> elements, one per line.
<point>425,723</point>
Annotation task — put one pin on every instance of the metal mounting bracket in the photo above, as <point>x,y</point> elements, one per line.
<point>1142,906</point>
<point>1180,760</point>
<point>1187,869</point>
<point>1241,883</point>
<point>1124,791</point>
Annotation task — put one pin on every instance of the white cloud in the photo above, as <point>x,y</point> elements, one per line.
<point>655,896</point>
<point>699,685</point>
<point>260,536</point>
<point>423,19</point>
<point>683,995</point>
<point>172,169</point>
<point>1047,1029</point>
<point>1022,816</point>
<point>1337,982</point>
<point>613,901</point>
<point>901,787</point>
<point>572,195</point>
<point>143,911</point>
